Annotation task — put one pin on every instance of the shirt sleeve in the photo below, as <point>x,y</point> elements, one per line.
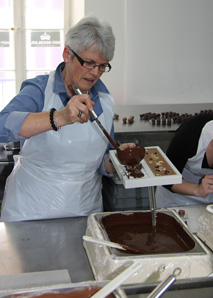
<point>102,169</point>
<point>184,144</point>
<point>177,153</point>
<point>29,100</point>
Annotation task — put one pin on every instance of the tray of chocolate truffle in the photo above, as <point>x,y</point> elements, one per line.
<point>163,118</point>
<point>154,169</point>
<point>169,118</point>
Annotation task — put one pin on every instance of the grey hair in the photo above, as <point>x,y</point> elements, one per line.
<point>88,31</point>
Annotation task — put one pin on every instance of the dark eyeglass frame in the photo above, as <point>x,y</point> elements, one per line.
<point>81,61</point>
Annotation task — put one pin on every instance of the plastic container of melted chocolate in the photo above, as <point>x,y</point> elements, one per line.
<point>77,290</point>
<point>135,229</point>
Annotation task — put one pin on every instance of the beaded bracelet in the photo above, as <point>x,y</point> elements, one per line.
<point>51,119</point>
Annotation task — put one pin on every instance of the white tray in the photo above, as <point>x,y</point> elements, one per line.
<point>149,178</point>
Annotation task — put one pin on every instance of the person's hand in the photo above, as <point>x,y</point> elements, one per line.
<point>127,145</point>
<point>206,186</point>
<point>77,110</point>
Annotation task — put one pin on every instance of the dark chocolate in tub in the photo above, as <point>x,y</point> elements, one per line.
<point>82,292</point>
<point>136,230</point>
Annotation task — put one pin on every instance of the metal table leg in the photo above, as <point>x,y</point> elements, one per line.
<point>152,203</point>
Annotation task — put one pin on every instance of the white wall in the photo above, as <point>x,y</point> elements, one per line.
<point>113,11</point>
<point>164,50</point>
<point>76,10</point>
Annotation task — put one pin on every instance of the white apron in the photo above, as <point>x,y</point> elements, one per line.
<point>55,174</point>
<point>192,172</point>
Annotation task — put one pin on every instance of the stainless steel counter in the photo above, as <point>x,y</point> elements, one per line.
<point>143,132</point>
<point>48,245</point>
<point>44,245</point>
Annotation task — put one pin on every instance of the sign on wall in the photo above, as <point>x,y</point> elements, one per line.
<point>45,39</point>
<point>4,39</point>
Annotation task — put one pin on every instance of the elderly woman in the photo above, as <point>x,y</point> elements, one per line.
<point>64,155</point>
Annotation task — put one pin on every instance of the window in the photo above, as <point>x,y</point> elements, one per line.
<point>7,61</point>
<point>31,40</point>
<point>44,35</point>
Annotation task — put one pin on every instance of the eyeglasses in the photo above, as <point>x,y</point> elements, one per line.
<point>105,67</point>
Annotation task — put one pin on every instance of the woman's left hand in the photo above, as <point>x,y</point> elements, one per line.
<point>127,145</point>
<point>108,164</point>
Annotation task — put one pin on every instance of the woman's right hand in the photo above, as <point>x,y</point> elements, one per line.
<point>77,110</point>
<point>206,186</point>
<point>201,190</point>
<point>36,123</point>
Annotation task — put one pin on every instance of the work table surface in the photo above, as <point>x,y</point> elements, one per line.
<point>45,245</point>
<point>48,245</point>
